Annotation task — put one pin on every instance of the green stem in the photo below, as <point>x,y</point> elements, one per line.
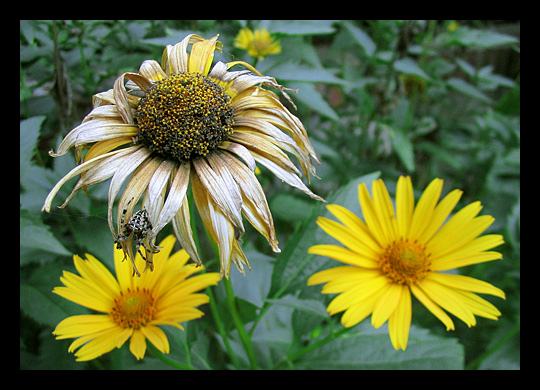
<point>221,328</point>
<point>414,94</point>
<point>166,360</point>
<point>476,362</point>
<point>244,337</point>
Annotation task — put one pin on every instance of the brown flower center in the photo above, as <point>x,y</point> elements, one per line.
<point>404,262</point>
<point>134,308</point>
<point>184,115</point>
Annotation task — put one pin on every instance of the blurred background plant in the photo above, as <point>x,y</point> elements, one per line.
<point>380,98</point>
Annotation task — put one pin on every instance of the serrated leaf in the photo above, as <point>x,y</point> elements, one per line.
<point>470,90</point>
<point>370,349</point>
<point>29,134</point>
<point>301,27</point>
<point>309,96</point>
<point>291,71</point>
<point>480,38</point>
<point>34,234</point>
<point>310,306</point>
<point>361,38</point>
<point>409,66</point>
<point>39,306</point>
<point>402,146</point>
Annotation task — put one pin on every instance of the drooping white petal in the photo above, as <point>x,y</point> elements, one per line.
<point>254,205</point>
<point>132,162</point>
<point>218,226</point>
<point>175,197</point>
<point>155,193</point>
<point>74,172</point>
<point>94,131</point>
<point>182,229</point>
<point>241,151</point>
<point>221,187</point>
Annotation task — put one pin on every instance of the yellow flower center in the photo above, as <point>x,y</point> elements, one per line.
<point>184,115</point>
<point>134,308</point>
<point>404,262</point>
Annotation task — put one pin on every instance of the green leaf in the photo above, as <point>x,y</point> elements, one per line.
<point>361,38</point>
<point>402,145</point>
<point>29,134</point>
<point>291,208</point>
<point>301,27</point>
<point>441,153</point>
<point>471,37</point>
<point>39,306</point>
<point>409,66</point>
<point>308,95</point>
<point>34,234</point>
<point>294,266</point>
<point>310,306</point>
<point>370,349</point>
<point>465,88</point>
<point>292,71</point>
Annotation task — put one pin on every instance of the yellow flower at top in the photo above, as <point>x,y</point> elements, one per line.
<point>258,44</point>
<point>395,252</point>
<point>452,26</point>
<point>131,307</point>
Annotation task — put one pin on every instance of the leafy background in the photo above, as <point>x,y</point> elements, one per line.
<point>380,98</point>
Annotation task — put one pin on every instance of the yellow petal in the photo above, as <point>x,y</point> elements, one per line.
<point>462,218</point>
<point>94,271</point>
<point>386,304</point>
<point>432,307</point>
<point>440,214</point>
<point>467,283</point>
<point>385,210</point>
<point>357,294</point>
<point>137,346</point>
<point>157,337</point>
<point>346,236</point>
<point>479,306</point>
<point>80,325</point>
<point>404,205</point>
<point>456,239</point>
<point>95,346</point>
<point>448,299</point>
<point>371,217</point>
<point>344,255</point>
<point>399,322</point>
<point>423,212</point>
<point>359,311</point>
<point>352,221</point>
<point>202,54</point>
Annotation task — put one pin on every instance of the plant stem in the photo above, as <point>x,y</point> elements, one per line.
<point>244,337</point>
<point>166,360</point>
<point>476,362</point>
<point>221,328</point>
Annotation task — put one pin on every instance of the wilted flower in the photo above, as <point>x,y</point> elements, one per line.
<point>185,122</point>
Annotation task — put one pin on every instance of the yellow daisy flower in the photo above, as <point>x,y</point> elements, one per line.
<point>258,44</point>
<point>133,307</point>
<point>394,253</point>
<point>185,122</point>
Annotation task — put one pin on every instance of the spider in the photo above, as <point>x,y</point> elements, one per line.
<point>136,227</point>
